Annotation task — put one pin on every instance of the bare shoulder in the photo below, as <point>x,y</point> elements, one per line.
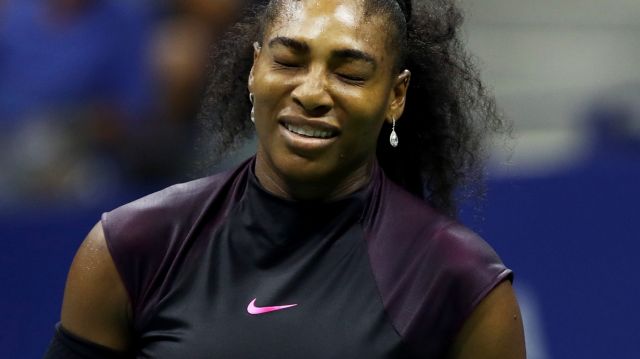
<point>494,329</point>
<point>96,304</point>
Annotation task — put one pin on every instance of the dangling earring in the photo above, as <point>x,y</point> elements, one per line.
<point>393,139</point>
<point>253,109</point>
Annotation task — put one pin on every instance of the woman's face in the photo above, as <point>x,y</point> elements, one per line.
<point>324,83</point>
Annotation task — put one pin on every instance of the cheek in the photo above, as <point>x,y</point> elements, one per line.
<point>270,97</point>
<point>364,115</point>
<point>268,88</point>
<point>363,135</point>
<point>360,135</point>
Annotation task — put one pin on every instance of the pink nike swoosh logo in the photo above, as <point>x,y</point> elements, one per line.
<point>252,309</point>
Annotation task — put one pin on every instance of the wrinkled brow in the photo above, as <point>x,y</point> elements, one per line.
<point>296,45</point>
<point>352,54</point>
<point>343,54</point>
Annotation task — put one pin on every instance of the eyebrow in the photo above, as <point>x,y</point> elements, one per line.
<point>296,45</point>
<point>352,54</point>
<point>302,47</point>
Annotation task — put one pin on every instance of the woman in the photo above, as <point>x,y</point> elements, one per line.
<point>309,249</point>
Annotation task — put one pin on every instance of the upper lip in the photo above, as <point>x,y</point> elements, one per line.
<point>313,123</point>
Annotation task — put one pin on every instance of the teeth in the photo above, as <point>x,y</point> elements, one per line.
<point>308,132</point>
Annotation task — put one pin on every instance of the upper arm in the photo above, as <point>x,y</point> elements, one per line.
<point>494,330</point>
<point>96,305</point>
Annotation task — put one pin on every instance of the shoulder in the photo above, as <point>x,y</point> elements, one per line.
<point>414,228</point>
<point>412,224</point>
<point>493,330</point>
<point>96,305</point>
<point>145,237</point>
<point>431,270</point>
<point>172,209</point>
<point>468,257</point>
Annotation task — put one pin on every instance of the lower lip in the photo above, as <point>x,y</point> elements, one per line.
<point>304,143</point>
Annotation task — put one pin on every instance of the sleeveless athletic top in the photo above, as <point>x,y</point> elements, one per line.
<point>221,268</point>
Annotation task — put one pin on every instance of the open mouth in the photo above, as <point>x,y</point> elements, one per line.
<point>310,132</point>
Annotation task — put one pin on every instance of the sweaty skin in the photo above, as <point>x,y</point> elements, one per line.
<point>324,65</point>
<point>96,305</point>
<point>321,66</point>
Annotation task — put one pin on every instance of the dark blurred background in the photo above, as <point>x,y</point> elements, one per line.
<point>98,106</point>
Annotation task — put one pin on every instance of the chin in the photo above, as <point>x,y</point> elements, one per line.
<point>298,169</point>
<point>324,170</point>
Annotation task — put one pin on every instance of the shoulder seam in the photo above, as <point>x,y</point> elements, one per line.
<point>365,243</point>
<point>118,269</point>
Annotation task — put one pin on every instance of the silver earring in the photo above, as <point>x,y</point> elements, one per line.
<point>253,109</point>
<point>393,139</point>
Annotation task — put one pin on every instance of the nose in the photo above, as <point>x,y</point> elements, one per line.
<point>311,93</point>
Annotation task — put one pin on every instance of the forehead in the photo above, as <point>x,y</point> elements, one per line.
<point>330,23</point>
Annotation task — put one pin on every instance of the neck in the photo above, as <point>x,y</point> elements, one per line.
<point>325,189</point>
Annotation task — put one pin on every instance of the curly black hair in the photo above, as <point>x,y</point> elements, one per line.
<point>448,110</point>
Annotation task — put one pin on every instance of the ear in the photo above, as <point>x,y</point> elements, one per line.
<point>398,96</point>
<point>256,53</point>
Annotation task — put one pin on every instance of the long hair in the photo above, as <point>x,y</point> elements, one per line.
<point>448,111</point>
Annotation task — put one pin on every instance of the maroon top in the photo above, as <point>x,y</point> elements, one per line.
<point>219,267</point>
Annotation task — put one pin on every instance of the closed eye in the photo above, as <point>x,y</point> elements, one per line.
<point>285,64</point>
<point>356,80</point>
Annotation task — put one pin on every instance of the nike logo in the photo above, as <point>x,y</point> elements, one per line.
<point>254,310</point>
